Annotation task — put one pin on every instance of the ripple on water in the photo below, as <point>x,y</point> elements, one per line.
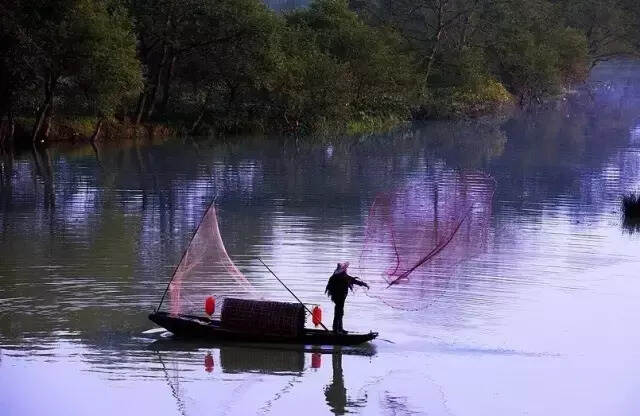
<point>87,249</point>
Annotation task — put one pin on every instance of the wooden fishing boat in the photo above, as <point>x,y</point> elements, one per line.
<point>206,262</point>
<point>189,326</point>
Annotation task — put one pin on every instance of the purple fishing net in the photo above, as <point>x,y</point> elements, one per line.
<point>417,235</point>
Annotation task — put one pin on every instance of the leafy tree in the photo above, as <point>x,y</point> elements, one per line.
<point>15,73</point>
<point>112,72</point>
<point>532,52</point>
<point>75,46</point>
<point>218,50</point>
<point>238,65</point>
<point>351,69</point>
<point>610,26</point>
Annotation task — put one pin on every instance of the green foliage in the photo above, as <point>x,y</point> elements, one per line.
<point>610,26</point>
<point>534,54</point>
<point>110,72</point>
<point>346,69</point>
<point>79,55</point>
<point>230,69</point>
<point>236,65</point>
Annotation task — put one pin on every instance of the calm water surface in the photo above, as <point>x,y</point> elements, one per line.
<point>542,322</point>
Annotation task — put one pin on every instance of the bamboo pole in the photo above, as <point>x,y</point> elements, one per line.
<point>293,294</point>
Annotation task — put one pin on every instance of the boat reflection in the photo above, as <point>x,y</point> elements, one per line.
<point>234,360</point>
<point>265,359</point>
<point>631,225</point>
<point>239,357</point>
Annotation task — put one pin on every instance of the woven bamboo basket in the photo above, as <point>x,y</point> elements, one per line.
<point>265,317</point>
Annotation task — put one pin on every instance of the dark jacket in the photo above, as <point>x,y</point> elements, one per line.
<point>339,285</point>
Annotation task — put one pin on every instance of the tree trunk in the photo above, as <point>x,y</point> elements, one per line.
<point>467,24</point>
<point>39,121</point>
<point>12,126</point>
<point>432,56</point>
<point>46,111</point>
<point>97,130</point>
<point>94,137</point>
<point>142,102</point>
<point>158,75</point>
<point>167,84</point>
<point>196,124</point>
<point>156,81</point>
<point>48,122</point>
<point>436,42</point>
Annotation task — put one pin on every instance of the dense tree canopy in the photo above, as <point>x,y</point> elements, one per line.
<point>237,65</point>
<point>77,54</point>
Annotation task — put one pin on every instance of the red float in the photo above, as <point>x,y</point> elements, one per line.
<point>210,305</point>
<point>316,315</point>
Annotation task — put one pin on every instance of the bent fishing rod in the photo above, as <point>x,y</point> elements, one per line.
<point>293,294</point>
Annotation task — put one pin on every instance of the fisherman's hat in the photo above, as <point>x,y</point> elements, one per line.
<point>341,268</point>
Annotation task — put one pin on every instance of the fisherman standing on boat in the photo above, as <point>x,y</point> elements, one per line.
<point>338,289</point>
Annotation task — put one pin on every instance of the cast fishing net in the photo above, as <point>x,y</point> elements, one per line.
<point>417,235</point>
<point>205,270</point>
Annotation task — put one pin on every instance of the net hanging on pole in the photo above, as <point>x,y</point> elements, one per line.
<point>205,270</point>
<point>417,235</point>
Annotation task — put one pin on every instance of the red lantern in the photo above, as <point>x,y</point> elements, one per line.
<point>208,363</point>
<point>210,305</point>
<point>316,315</point>
<point>316,360</point>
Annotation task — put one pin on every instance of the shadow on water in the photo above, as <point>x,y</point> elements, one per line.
<point>336,393</point>
<point>172,343</point>
<point>631,225</point>
<point>270,359</point>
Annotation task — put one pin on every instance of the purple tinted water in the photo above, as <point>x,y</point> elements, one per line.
<point>542,322</point>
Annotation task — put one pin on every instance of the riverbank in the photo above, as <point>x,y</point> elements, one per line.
<point>494,101</point>
<point>84,130</point>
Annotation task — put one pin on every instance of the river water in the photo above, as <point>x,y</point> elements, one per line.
<point>541,322</point>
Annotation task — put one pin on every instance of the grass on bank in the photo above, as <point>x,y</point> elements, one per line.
<point>368,124</point>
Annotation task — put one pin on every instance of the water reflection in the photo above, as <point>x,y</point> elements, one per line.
<point>89,237</point>
<point>268,361</point>
<point>336,393</point>
<point>289,363</point>
<point>631,225</point>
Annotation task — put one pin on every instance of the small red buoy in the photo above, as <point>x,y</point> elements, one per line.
<point>316,360</point>
<point>316,315</point>
<point>208,363</point>
<point>210,305</point>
